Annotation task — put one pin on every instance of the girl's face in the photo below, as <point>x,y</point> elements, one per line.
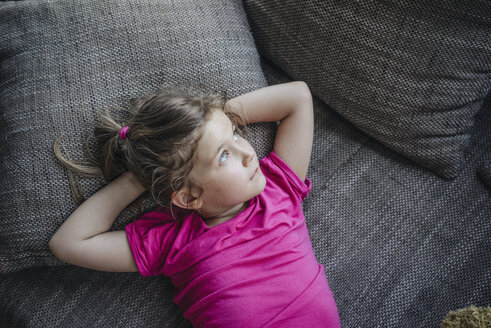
<point>226,167</point>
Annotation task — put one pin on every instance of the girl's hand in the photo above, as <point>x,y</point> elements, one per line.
<point>291,104</point>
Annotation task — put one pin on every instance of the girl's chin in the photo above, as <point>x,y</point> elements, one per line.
<point>223,214</point>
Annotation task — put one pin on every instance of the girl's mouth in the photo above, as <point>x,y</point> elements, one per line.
<point>255,174</point>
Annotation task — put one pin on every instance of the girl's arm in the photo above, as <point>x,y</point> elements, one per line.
<point>291,104</point>
<point>84,240</point>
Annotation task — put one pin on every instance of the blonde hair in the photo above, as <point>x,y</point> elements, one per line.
<point>164,130</point>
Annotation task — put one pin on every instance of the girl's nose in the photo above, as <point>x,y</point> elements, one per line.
<point>247,155</point>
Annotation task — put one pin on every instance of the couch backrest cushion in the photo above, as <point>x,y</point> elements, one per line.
<point>410,74</point>
<point>63,62</point>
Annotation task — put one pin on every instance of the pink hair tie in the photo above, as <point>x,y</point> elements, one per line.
<point>122,133</point>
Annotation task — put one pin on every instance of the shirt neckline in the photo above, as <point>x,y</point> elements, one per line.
<point>243,213</point>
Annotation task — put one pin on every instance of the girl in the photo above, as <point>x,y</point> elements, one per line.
<point>230,231</point>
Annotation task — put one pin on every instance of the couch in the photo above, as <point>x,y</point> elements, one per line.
<point>400,209</point>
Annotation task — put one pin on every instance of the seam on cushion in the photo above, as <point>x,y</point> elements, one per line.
<point>349,159</point>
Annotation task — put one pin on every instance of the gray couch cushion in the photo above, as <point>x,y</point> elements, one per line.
<point>484,173</point>
<point>410,74</point>
<point>63,62</point>
<point>68,297</point>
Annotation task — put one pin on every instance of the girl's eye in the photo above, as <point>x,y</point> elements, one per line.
<point>224,156</point>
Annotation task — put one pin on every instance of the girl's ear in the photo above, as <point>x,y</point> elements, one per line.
<point>184,198</point>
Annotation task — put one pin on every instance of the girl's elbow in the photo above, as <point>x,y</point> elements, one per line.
<point>303,84</point>
<point>304,95</point>
<point>58,247</point>
<point>305,106</point>
<point>304,89</point>
<point>54,247</point>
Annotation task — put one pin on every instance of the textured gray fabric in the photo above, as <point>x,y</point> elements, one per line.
<point>484,172</point>
<point>401,247</point>
<point>76,297</point>
<point>63,62</point>
<point>411,74</point>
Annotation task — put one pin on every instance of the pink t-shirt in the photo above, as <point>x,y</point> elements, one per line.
<point>257,269</point>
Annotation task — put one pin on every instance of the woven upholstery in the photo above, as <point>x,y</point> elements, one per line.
<point>401,246</point>
<point>63,62</point>
<point>484,172</point>
<point>77,297</point>
<point>410,74</point>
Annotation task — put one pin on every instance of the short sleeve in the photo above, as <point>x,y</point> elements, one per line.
<point>151,236</point>
<point>302,188</point>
